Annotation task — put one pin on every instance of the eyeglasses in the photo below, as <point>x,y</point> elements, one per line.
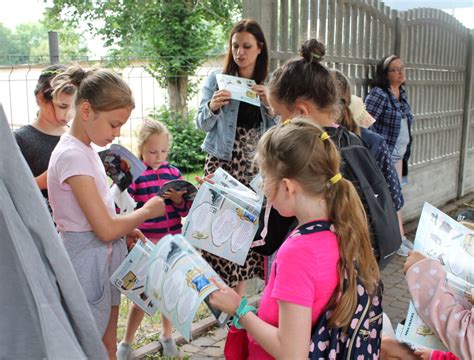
<point>397,69</point>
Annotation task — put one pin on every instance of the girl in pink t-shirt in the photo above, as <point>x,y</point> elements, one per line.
<point>300,169</point>
<point>82,203</point>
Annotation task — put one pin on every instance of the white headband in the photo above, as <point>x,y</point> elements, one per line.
<point>388,61</point>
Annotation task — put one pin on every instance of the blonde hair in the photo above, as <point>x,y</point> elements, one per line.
<point>148,128</point>
<point>343,87</point>
<point>297,151</point>
<point>104,89</point>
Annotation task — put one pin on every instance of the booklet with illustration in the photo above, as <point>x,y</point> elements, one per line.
<point>240,88</point>
<point>130,276</point>
<point>178,281</point>
<point>440,237</point>
<point>170,277</point>
<point>121,165</point>
<point>223,219</point>
<point>179,185</point>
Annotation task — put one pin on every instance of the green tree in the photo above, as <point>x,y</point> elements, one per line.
<point>29,43</point>
<point>175,35</point>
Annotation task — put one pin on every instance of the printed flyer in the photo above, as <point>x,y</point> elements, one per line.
<point>240,88</point>
<point>223,219</point>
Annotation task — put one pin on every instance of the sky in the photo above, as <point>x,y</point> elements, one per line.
<point>20,11</point>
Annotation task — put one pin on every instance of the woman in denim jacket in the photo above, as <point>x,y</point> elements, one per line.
<point>233,129</point>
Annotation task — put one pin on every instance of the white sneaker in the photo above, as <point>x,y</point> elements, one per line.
<point>123,351</point>
<point>405,247</point>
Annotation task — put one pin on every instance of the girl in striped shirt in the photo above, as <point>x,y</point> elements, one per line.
<point>153,146</point>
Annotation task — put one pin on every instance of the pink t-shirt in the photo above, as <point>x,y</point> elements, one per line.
<point>71,157</point>
<point>304,273</point>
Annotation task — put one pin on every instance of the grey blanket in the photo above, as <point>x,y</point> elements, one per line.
<point>43,310</point>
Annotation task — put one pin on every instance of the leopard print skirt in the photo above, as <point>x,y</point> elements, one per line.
<point>241,167</point>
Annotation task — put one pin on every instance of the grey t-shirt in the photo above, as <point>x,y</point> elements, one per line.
<point>36,148</point>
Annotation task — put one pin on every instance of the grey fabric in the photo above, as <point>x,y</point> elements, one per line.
<point>89,256</point>
<point>43,310</point>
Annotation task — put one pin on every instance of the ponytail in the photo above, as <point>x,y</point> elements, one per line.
<point>300,150</point>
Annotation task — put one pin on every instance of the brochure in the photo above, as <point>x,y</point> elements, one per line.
<point>440,237</point>
<point>178,281</point>
<point>121,165</point>
<point>240,88</point>
<point>130,277</point>
<point>223,219</point>
<point>179,185</point>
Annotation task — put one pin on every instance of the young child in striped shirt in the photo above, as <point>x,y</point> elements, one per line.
<point>153,145</point>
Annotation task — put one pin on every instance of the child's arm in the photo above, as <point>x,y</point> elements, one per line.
<point>288,341</point>
<point>106,227</point>
<point>42,180</point>
<point>438,306</point>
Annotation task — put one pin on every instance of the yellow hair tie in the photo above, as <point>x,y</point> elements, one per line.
<point>324,136</point>
<point>335,178</point>
<point>287,121</point>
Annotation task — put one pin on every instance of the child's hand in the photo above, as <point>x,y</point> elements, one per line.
<point>175,196</point>
<point>423,354</point>
<point>133,237</point>
<point>156,207</point>
<point>412,259</point>
<point>225,299</point>
<point>207,178</point>
<point>392,349</point>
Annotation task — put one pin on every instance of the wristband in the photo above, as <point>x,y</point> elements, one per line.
<point>241,311</point>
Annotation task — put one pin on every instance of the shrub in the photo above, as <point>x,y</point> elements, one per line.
<point>185,152</point>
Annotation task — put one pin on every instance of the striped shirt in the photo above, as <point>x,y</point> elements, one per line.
<point>146,187</point>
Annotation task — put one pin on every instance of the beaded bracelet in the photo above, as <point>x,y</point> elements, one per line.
<point>241,311</point>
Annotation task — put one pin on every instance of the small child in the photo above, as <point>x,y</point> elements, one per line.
<point>80,197</point>
<point>153,146</point>
<point>299,165</point>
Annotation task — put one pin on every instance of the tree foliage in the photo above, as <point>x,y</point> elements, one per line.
<point>175,35</point>
<point>29,44</point>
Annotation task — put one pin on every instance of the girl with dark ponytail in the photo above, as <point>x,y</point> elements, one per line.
<point>301,177</point>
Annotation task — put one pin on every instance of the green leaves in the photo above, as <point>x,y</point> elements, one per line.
<point>186,153</point>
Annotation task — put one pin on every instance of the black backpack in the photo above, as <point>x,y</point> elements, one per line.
<point>359,166</point>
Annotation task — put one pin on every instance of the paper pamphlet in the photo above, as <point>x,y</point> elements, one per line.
<point>130,277</point>
<point>440,237</point>
<point>179,185</point>
<point>121,165</point>
<point>240,88</point>
<point>170,277</point>
<point>417,334</point>
<point>178,280</point>
<point>223,219</point>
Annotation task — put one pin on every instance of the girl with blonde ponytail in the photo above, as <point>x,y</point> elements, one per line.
<point>301,177</point>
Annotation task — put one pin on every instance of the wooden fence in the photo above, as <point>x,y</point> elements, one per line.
<point>437,51</point>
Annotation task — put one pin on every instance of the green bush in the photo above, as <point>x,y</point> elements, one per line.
<point>185,152</point>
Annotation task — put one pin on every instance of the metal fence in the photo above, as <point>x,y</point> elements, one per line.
<point>437,51</point>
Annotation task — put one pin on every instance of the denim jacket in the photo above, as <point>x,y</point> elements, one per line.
<point>221,127</point>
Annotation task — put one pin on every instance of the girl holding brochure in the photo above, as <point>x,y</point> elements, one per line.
<point>300,169</point>
<point>153,146</point>
<point>82,203</point>
<point>233,128</point>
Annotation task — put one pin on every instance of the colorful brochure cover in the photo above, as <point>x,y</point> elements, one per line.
<point>240,88</point>
<point>121,165</point>
<point>440,237</point>
<point>178,281</point>
<point>223,219</point>
<point>179,185</point>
